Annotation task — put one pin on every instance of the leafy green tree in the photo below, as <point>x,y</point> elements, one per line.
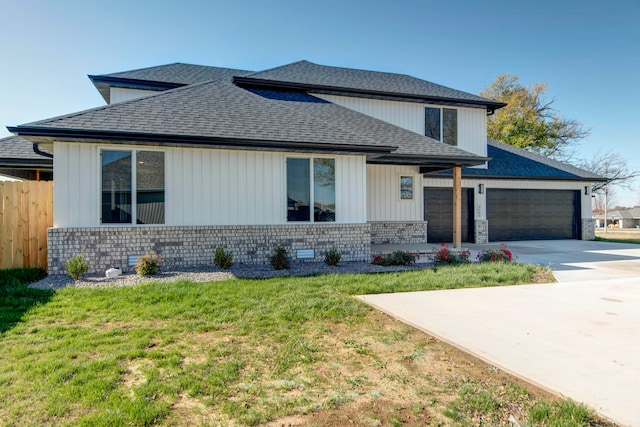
<point>528,121</point>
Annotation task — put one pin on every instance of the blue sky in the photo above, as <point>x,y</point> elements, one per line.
<point>588,52</point>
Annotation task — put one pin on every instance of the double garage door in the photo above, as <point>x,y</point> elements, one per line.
<point>512,214</point>
<point>533,214</point>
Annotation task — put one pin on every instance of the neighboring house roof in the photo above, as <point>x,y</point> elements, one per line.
<point>17,152</point>
<point>219,113</point>
<point>162,77</point>
<point>631,213</point>
<point>508,161</point>
<point>306,75</point>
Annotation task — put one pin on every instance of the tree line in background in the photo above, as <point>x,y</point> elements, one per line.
<point>529,121</point>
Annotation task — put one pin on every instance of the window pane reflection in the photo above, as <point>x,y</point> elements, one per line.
<point>324,190</point>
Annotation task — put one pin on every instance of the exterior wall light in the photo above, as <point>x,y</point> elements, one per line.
<point>480,188</point>
<point>586,190</point>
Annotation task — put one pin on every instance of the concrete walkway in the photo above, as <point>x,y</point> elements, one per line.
<point>579,338</point>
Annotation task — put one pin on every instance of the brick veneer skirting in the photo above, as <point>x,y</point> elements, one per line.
<point>398,232</point>
<point>186,246</point>
<point>588,229</point>
<point>481,231</point>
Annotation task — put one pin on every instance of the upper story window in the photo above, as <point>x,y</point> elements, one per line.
<point>441,124</point>
<point>311,180</point>
<point>126,170</point>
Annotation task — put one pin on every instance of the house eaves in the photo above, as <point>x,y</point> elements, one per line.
<point>221,114</point>
<point>311,77</point>
<point>105,83</point>
<point>48,135</point>
<point>161,77</point>
<point>491,106</point>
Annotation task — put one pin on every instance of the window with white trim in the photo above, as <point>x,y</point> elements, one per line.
<point>311,179</point>
<point>122,171</point>
<point>441,124</point>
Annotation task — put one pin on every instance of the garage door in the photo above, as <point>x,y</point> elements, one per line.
<point>438,212</point>
<point>532,214</point>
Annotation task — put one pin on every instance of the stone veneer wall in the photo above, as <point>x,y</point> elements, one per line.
<point>398,232</point>
<point>588,229</point>
<point>481,229</point>
<point>187,246</point>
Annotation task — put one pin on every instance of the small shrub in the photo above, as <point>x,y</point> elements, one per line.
<point>396,258</point>
<point>496,255</point>
<point>77,266</point>
<point>332,257</point>
<point>147,264</point>
<point>223,259</point>
<point>446,256</point>
<point>279,260</point>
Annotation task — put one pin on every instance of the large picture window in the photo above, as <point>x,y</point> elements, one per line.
<point>441,124</point>
<point>124,170</point>
<point>311,180</point>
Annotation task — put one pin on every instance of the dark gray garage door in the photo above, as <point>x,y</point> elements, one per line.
<point>532,214</point>
<point>438,212</point>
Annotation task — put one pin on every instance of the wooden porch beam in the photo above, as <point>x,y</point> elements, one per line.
<point>457,206</point>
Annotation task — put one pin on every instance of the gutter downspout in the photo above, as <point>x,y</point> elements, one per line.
<point>37,150</point>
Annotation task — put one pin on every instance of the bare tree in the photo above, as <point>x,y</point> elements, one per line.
<point>610,165</point>
<point>599,199</point>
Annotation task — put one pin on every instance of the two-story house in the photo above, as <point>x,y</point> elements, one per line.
<point>185,158</point>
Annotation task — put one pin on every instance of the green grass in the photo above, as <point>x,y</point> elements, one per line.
<point>617,240</point>
<point>238,351</point>
<point>20,276</point>
<point>15,298</point>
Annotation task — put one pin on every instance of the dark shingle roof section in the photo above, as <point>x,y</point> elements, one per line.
<point>221,110</point>
<point>15,147</point>
<point>308,73</point>
<point>508,161</point>
<point>161,77</point>
<point>179,73</point>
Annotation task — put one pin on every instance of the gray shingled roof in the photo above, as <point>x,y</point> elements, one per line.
<point>305,72</point>
<point>544,160</point>
<point>17,148</point>
<point>220,109</point>
<point>508,161</point>
<point>179,73</point>
<point>169,76</point>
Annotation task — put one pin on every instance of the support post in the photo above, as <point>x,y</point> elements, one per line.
<point>457,206</point>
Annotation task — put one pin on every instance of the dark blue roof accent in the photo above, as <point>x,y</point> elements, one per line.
<point>278,95</point>
<point>506,164</point>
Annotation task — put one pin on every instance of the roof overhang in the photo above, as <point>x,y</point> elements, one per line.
<point>47,135</point>
<point>428,164</point>
<point>105,83</point>
<point>26,163</point>
<point>491,106</point>
<point>429,174</point>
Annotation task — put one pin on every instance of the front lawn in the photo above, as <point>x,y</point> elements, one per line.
<point>618,238</point>
<point>299,351</point>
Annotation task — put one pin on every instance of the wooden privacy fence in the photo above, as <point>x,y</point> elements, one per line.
<point>26,211</point>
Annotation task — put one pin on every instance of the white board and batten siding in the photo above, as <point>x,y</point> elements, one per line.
<point>203,186</point>
<point>472,122</point>
<point>480,199</point>
<point>119,94</point>
<point>383,194</point>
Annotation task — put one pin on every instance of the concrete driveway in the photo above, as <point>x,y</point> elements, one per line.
<point>579,338</point>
